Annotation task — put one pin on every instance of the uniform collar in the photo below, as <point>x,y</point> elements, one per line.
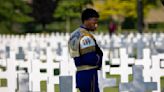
<point>82,26</point>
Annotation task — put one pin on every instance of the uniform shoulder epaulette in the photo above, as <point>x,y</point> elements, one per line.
<point>86,33</point>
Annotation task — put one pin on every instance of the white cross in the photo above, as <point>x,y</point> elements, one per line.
<point>156,71</point>
<point>138,84</point>
<point>147,64</point>
<point>124,70</point>
<point>104,82</point>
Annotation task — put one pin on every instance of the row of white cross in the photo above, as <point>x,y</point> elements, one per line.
<point>49,52</point>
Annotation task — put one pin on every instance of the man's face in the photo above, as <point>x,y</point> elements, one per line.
<point>92,23</point>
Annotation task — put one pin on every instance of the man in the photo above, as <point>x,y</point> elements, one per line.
<point>86,53</point>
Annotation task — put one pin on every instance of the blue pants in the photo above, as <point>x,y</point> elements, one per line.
<point>87,81</point>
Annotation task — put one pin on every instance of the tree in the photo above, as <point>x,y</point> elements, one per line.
<point>12,14</point>
<point>162,2</point>
<point>68,10</point>
<point>43,11</point>
<point>120,9</point>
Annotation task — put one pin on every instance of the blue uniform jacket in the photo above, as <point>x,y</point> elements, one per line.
<point>87,80</point>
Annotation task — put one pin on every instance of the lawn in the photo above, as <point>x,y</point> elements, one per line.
<point>3,83</point>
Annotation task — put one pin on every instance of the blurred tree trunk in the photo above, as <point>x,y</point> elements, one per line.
<point>68,24</point>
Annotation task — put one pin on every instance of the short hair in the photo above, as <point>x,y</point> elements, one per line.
<point>89,13</point>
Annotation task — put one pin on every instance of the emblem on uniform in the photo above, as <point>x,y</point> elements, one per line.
<point>86,41</point>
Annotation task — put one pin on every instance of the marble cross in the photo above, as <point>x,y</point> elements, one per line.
<point>138,85</point>
<point>105,82</point>
<point>65,83</point>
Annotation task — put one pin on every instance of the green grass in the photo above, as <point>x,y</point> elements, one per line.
<point>162,83</point>
<point>43,85</point>
<point>130,77</point>
<point>113,89</point>
<point>56,87</point>
<point>3,82</point>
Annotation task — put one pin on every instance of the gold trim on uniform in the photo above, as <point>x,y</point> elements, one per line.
<point>86,33</point>
<point>87,50</point>
<point>86,67</point>
<point>74,42</point>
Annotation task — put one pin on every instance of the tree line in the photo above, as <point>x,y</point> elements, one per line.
<point>22,16</point>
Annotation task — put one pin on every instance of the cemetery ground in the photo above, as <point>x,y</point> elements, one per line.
<point>3,83</point>
<point>46,57</point>
<point>108,89</point>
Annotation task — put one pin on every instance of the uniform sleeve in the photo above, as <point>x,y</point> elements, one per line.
<point>89,56</point>
<point>87,45</point>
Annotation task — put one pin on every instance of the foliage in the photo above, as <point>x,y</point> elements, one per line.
<point>69,10</point>
<point>108,8</point>
<point>17,16</point>
<point>43,11</point>
<point>13,12</point>
<point>120,8</point>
